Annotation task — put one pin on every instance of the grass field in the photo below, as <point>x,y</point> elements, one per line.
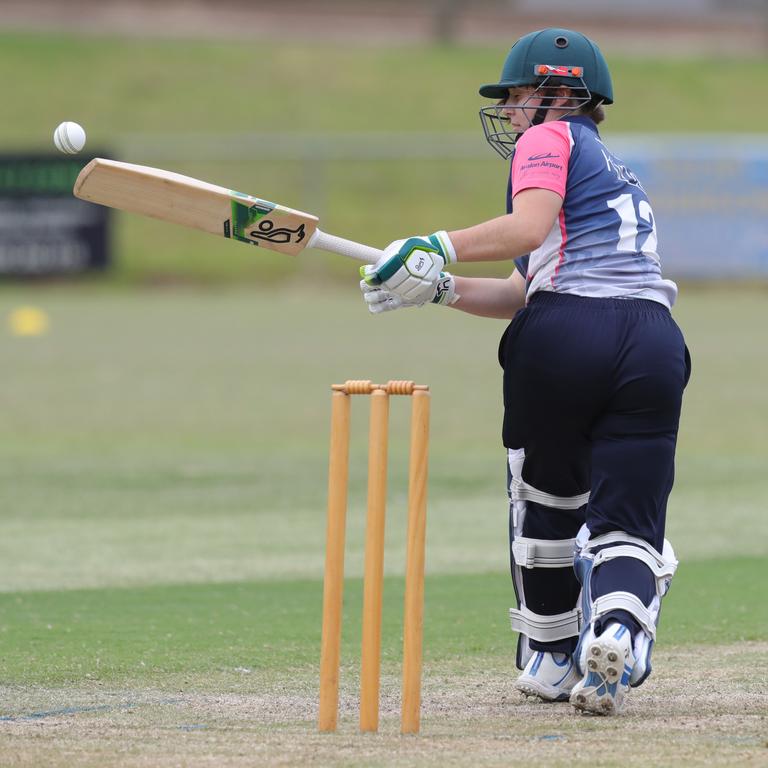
<point>163,469</point>
<point>122,86</point>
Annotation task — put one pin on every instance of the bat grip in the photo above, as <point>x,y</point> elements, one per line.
<point>348,248</point>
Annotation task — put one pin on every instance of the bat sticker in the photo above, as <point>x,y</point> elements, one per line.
<point>265,230</point>
<point>249,224</point>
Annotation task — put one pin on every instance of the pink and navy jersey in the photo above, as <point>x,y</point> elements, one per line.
<point>603,242</point>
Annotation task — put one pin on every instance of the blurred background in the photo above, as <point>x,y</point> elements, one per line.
<point>364,113</point>
<point>161,385</point>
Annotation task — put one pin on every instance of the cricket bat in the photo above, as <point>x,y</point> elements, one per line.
<point>192,203</point>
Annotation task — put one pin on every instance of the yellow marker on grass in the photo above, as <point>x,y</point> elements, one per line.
<point>28,321</point>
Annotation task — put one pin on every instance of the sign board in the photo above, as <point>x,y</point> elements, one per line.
<point>44,230</point>
<point>710,198</point>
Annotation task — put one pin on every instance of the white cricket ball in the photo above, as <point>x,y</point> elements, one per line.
<point>69,137</point>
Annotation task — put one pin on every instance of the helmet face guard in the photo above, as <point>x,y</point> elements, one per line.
<point>496,124</point>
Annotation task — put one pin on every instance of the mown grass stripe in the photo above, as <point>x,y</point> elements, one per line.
<point>144,633</point>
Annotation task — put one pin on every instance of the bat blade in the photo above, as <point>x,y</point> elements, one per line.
<point>193,203</point>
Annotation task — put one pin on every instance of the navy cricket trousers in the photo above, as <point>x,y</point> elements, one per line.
<point>592,392</point>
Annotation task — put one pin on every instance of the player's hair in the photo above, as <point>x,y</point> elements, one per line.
<point>594,110</point>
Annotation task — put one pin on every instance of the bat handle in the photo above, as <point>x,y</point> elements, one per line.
<point>348,248</point>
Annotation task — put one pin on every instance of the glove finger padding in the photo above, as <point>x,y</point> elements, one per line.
<point>383,301</point>
<point>375,296</point>
<point>365,287</point>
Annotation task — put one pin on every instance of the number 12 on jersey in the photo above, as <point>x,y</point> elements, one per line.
<point>637,228</point>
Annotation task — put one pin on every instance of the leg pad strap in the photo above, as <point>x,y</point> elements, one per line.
<point>619,544</point>
<point>626,601</point>
<point>519,490</point>
<point>545,629</point>
<point>543,553</point>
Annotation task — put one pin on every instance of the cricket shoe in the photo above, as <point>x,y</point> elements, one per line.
<point>607,662</point>
<point>548,676</point>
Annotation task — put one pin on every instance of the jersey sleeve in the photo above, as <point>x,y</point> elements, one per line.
<point>541,158</point>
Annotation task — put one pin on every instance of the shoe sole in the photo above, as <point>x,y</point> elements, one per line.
<point>605,665</point>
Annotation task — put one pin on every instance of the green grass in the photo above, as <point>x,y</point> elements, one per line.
<point>173,436</point>
<point>163,484</point>
<point>118,86</point>
<point>142,636</point>
<point>171,446</point>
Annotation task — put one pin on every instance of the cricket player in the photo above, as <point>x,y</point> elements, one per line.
<point>594,371</point>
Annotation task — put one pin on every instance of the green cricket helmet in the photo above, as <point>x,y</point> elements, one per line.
<point>546,59</point>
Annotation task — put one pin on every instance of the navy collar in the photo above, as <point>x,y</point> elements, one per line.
<point>587,122</point>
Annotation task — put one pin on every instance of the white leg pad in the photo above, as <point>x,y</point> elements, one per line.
<point>614,545</point>
<point>528,553</point>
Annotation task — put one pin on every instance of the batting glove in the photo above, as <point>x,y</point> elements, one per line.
<point>381,300</point>
<point>413,270</point>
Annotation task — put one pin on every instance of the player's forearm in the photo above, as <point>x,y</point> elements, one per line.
<point>505,237</point>
<point>490,297</point>
<point>517,233</point>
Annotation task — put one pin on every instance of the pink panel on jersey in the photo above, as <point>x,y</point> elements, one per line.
<point>541,158</point>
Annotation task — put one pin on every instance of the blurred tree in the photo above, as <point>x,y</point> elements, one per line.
<point>447,14</point>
